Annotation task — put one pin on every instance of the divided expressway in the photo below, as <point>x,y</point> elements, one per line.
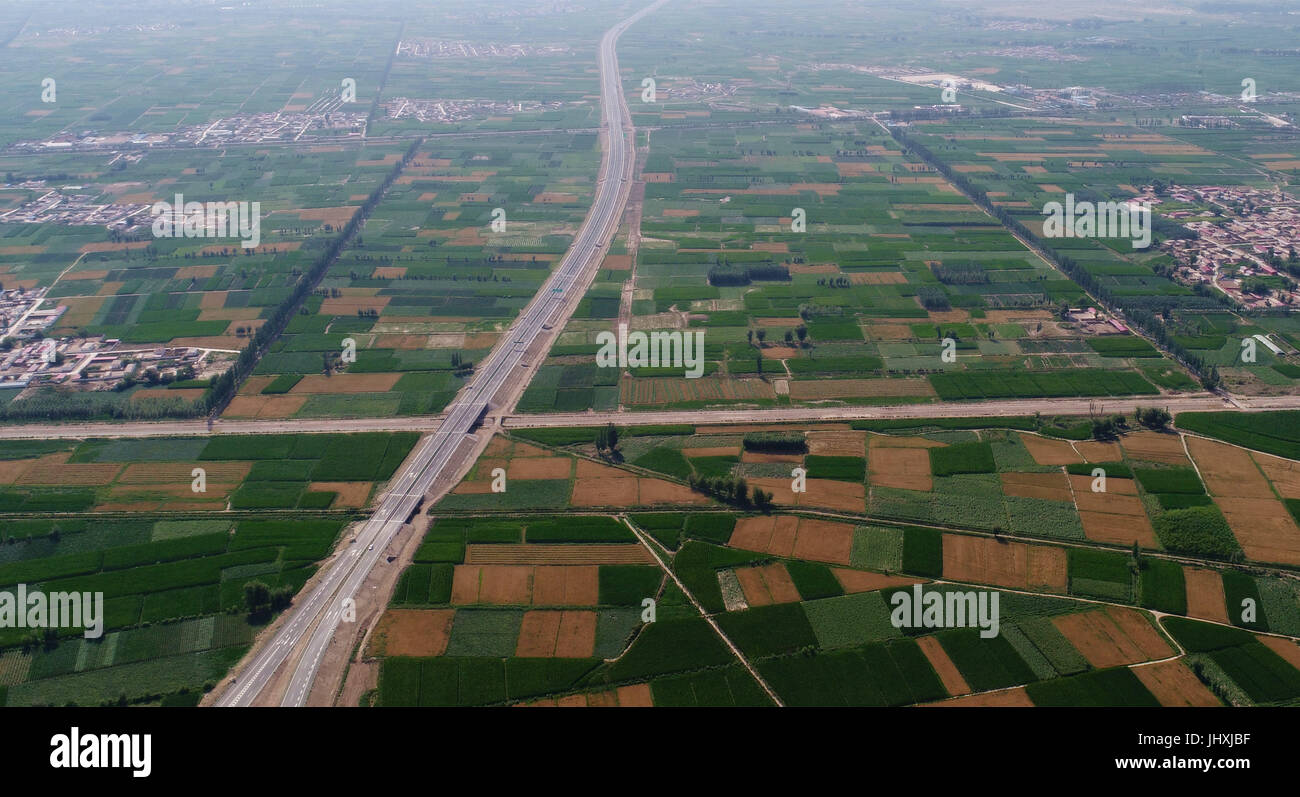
<point>505,371</point>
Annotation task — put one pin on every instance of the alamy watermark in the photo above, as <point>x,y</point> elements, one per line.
<point>35,609</point>
<point>1098,220</point>
<point>209,220</point>
<point>937,609</point>
<point>77,750</point>
<point>659,349</point>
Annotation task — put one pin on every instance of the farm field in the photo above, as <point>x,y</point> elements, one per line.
<point>1016,167</point>
<point>807,599</point>
<point>839,212</point>
<point>1158,490</point>
<point>174,533</point>
<point>827,267</point>
<point>429,286</point>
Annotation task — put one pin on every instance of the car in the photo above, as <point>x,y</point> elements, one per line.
<point>372,547</point>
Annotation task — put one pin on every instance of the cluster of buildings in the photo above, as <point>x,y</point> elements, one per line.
<point>440,48</point>
<point>21,317</point>
<point>1241,232</point>
<point>324,119</point>
<point>830,112</point>
<point>76,209</point>
<point>1094,322</point>
<point>460,110</point>
<point>92,363</point>
<point>28,358</point>
<point>691,90</point>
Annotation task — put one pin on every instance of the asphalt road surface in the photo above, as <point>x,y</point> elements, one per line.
<point>505,369</point>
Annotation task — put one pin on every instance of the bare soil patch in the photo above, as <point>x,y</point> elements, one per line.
<point>346,383</point>
<point>1050,452</point>
<point>351,495</point>
<point>866,581</point>
<point>905,468</point>
<point>949,675</point>
<point>1118,529</point>
<point>1174,684</point>
<point>837,444</point>
<point>1113,636</point>
<point>566,585</point>
<point>1228,470</point>
<point>411,632</point>
<point>1205,599</point>
<point>1155,447</point>
<point>1050,486</point>
<point>1006,564</point>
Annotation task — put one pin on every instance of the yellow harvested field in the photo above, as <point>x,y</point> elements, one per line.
<point>1050,486</point>
<point>1046,451</point>
<point>1155,447</point>
<point>1093,451</point>
<point>1284,473</point>
<point>346,383</point>
<point>837,444</point>
<point>1265,529</point>
<point>1228,470</point>
<point>1118,529</point>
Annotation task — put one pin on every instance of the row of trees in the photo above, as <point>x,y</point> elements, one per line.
<point>734,491</point>
<point>224,386</point>
<point>1146,313</point>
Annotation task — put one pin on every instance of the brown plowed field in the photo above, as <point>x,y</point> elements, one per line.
<point>793,537</point>
<point>949,675</point>
<point>984,560</point>
<point>1113,636</point>
<point>552,634</point>
<point>1205,599</point>
<point>411,632</point>
<point>864,581</point>
<point>346,383</point>
<point>905,468</point>
<point>1173,684</point>
<point>767,584</point>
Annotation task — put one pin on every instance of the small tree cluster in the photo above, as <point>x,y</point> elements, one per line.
<point>1153,418</point>
<point>607,438</point>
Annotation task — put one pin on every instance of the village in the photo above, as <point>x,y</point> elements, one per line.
<point>31,359</point>
<point>324,119</point>
<point>1247,242</point>
<point>445,111</point>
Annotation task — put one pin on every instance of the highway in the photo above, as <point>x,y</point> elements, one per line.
<point>505,368</point>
